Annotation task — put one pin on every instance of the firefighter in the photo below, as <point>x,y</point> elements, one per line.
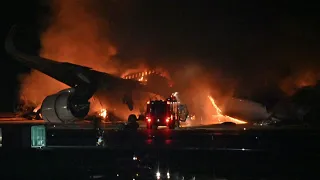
<point>132,122</point>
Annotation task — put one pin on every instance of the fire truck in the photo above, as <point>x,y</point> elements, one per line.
<point>168,113</point>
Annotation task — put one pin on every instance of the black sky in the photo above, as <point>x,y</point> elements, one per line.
<point>248,40</point>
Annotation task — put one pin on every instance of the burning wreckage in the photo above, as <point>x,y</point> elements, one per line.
<point>32,111</point>
<point>73,103</point>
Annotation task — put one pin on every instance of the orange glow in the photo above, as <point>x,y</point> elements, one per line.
<point>129,73</point>
<point>37,108</point>
<point>168,119</point>
<point>141,73</point>
<point>301,79</point>
<point>76,34</point>
<point>142,78</point>
<point>103,113</point>
<point>221,117</point>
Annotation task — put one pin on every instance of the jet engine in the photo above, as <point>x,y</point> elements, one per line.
<point>64,107</point>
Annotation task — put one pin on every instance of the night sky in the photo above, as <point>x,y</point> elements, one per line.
<point>246,40</point>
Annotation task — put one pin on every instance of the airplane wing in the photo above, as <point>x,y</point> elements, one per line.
<point>76,76</point>
<point>66,73</point>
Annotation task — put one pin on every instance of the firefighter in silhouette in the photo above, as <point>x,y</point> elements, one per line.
<point>132,122</point>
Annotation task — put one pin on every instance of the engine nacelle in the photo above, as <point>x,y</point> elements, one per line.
<point>64,107</point>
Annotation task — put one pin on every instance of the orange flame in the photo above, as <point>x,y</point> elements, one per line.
<point>142,75</point>
<point>221,117</point>
<point>77,35</point>
<point>103,113</point>
<point>37,108</point>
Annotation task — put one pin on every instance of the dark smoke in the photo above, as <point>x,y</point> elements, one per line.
<point>260,46</point>
<point>236,49</point>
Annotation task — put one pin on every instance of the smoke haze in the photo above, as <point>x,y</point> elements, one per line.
<point>214,47</point>
<point>77,35</point>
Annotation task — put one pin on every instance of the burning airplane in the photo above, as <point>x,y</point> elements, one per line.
<point>73,103</point>
<point>86,84</point>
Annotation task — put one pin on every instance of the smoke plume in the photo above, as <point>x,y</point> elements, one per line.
<point>205,51</point>
<point>194,84</point>
<point>75,34</point>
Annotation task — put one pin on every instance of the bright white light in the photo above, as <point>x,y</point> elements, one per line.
<point>103,113</point>
<point>158,175</point>
<point>168,175</point>
<point>134,158</point>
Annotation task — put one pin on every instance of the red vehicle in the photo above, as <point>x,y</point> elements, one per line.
<point>161,113</point>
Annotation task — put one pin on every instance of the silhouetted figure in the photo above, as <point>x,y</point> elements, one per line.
<point>132,123</point>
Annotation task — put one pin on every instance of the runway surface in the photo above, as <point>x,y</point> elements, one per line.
<point>197,149</point>
<point>85,124</point>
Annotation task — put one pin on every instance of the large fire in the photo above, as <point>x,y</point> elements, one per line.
<point>75,34</point>
<point>223,118</point>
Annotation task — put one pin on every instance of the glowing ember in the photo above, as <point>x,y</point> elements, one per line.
<point>37,108</point>
<point>103,113</point>
<point>221,117</point>
<point>142,78</point>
